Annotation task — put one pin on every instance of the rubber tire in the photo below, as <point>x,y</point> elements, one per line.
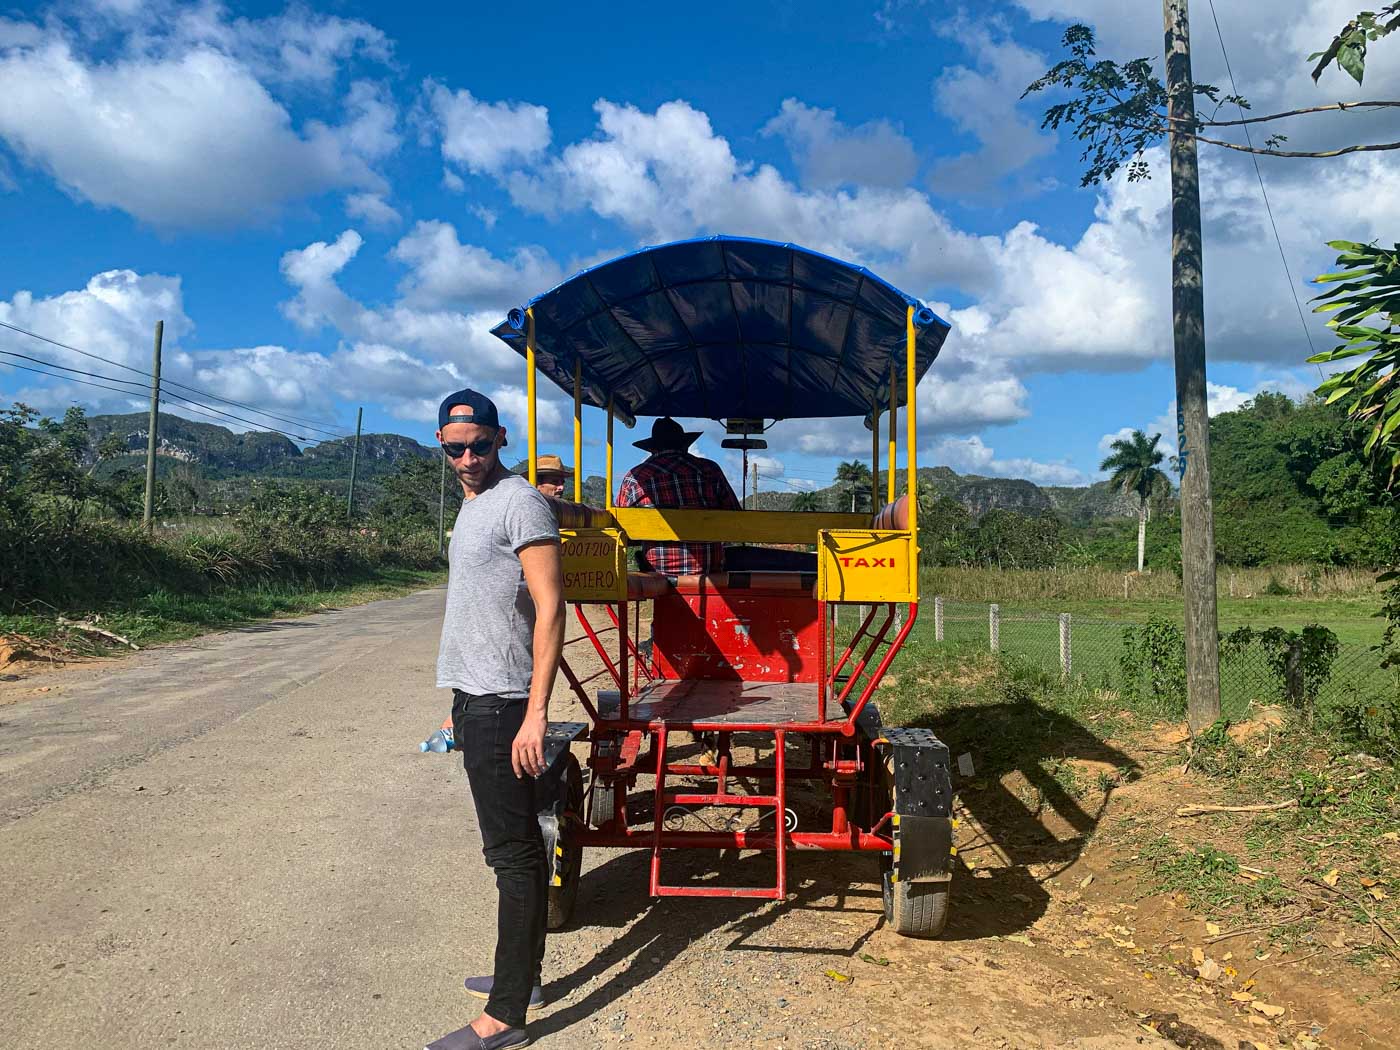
<point>916,909</point>
<point>563,897</point>
<point>602,805</point>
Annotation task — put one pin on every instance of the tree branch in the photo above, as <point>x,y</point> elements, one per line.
<point>1296,113</point>
<point>1373,147</point>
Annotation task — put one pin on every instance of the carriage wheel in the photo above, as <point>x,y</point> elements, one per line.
<point>915,909</point>
<point>912,909</point>
<point>569,862</point>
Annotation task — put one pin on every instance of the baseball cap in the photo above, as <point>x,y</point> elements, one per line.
<point>480,409</point>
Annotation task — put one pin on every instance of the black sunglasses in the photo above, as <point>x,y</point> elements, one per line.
<point>479,447</point>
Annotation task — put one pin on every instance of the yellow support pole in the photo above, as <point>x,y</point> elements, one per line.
<point>578,431</point>
<point>894,414</point>
<point>532,438</point>
<point>608,500</point>
<point>911,412</point>
<point>874,457</point>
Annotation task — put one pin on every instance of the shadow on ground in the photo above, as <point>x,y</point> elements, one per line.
<point>1028,805</point>
<point>1033,803</point>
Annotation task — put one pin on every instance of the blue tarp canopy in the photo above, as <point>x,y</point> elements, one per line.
<point>725,327</point>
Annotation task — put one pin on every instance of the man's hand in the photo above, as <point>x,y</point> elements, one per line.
<point>527,751</point>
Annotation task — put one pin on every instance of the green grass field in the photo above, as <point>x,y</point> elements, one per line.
<point>1029,629</point>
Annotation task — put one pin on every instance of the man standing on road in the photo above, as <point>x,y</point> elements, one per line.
<point>501,640</point>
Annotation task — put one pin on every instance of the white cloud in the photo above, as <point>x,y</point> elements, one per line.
<point>831,154</point>
<point>972,455</point>
<point>178,130</point>
<point>446,272</point>
<point>983,102</point>
<point>113,317</point>
<point>373,209</point>
<point>666,175</point>
<point>486,137</point>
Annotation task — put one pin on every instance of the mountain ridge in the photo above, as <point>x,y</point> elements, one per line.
<point>220,454</point>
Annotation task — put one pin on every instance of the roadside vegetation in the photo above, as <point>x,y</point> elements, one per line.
<point>77,567</point>
<point>1312,870</point>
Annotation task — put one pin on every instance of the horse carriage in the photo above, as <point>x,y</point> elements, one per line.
<point>737,329</point>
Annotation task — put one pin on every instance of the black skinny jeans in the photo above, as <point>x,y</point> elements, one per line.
<point>484,728</point>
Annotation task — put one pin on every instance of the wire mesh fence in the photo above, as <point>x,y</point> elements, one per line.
<point>1255,666</point>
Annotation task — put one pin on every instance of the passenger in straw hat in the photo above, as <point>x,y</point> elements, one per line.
<point>551,475</point>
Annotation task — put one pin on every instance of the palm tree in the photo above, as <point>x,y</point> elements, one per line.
<point>855,474</point>
<point>805,501</point>
<point>1134,462</point>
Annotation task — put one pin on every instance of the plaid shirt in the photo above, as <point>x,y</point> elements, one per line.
<point>674,479</point>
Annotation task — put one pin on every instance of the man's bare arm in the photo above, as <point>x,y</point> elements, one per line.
<point>540,563</point>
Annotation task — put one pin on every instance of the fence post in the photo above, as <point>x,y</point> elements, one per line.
<point>1293,671</point>
<point>938,619</point>
<point>1066,662</point>
<point>994,626</point>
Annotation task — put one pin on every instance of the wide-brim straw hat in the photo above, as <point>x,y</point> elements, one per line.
<point>551,465</point>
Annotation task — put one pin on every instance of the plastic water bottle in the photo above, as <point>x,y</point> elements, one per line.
<point>439,743</point>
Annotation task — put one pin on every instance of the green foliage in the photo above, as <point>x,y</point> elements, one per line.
<point>409,498</point>
<point>1309,653</point>
<point>1153,667</point>
<point>1133,462</point>
<point>1348,47</point>
<point>60,546</point>
<point>1291,484</point>
<point>1366,288</point>
<point>1118,111</point>
<point>806,501</point>
<point>948,535</point>
<point>1215,753</point>
<point>855,475</point>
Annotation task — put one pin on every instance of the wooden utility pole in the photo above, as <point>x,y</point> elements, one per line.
<point>354,462</point>
<point>1193,421</point>
<point>442,504</point>
<point>148,513</point>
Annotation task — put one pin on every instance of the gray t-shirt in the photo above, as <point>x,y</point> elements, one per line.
<point>488,631</point>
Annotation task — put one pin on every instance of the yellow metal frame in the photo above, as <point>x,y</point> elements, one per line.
<point>747,526</point>
<point>894,578</point>
<point>531,438</point>
<point>867,565</point>
<point>578,431</point>
<point>594,565</point>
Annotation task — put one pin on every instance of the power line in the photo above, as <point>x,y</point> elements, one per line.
<point>184,403</point>
<point>1258,174</point>
<point>296,421</point>
<point>100,386</point>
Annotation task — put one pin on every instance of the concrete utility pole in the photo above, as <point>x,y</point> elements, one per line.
<point>442,504</point>
<point>755,486</point>
<point>148,513</point>
<point>354,462</point>
<point>1193,422</point>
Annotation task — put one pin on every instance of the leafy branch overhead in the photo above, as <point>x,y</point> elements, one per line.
<point>1348,48</point>
<point>1119,111</point>
<point>1365,298</point>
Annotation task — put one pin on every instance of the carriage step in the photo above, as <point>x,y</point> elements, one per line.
<point>777,802</point>
<point>763,892</point>
<point>721,800</point>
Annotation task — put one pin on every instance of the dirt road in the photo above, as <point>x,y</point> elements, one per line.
<point>235,843</point>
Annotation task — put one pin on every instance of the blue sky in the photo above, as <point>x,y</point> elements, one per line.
<point>330,205</point>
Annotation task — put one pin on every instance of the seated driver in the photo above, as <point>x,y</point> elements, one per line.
<point>673,478</point>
